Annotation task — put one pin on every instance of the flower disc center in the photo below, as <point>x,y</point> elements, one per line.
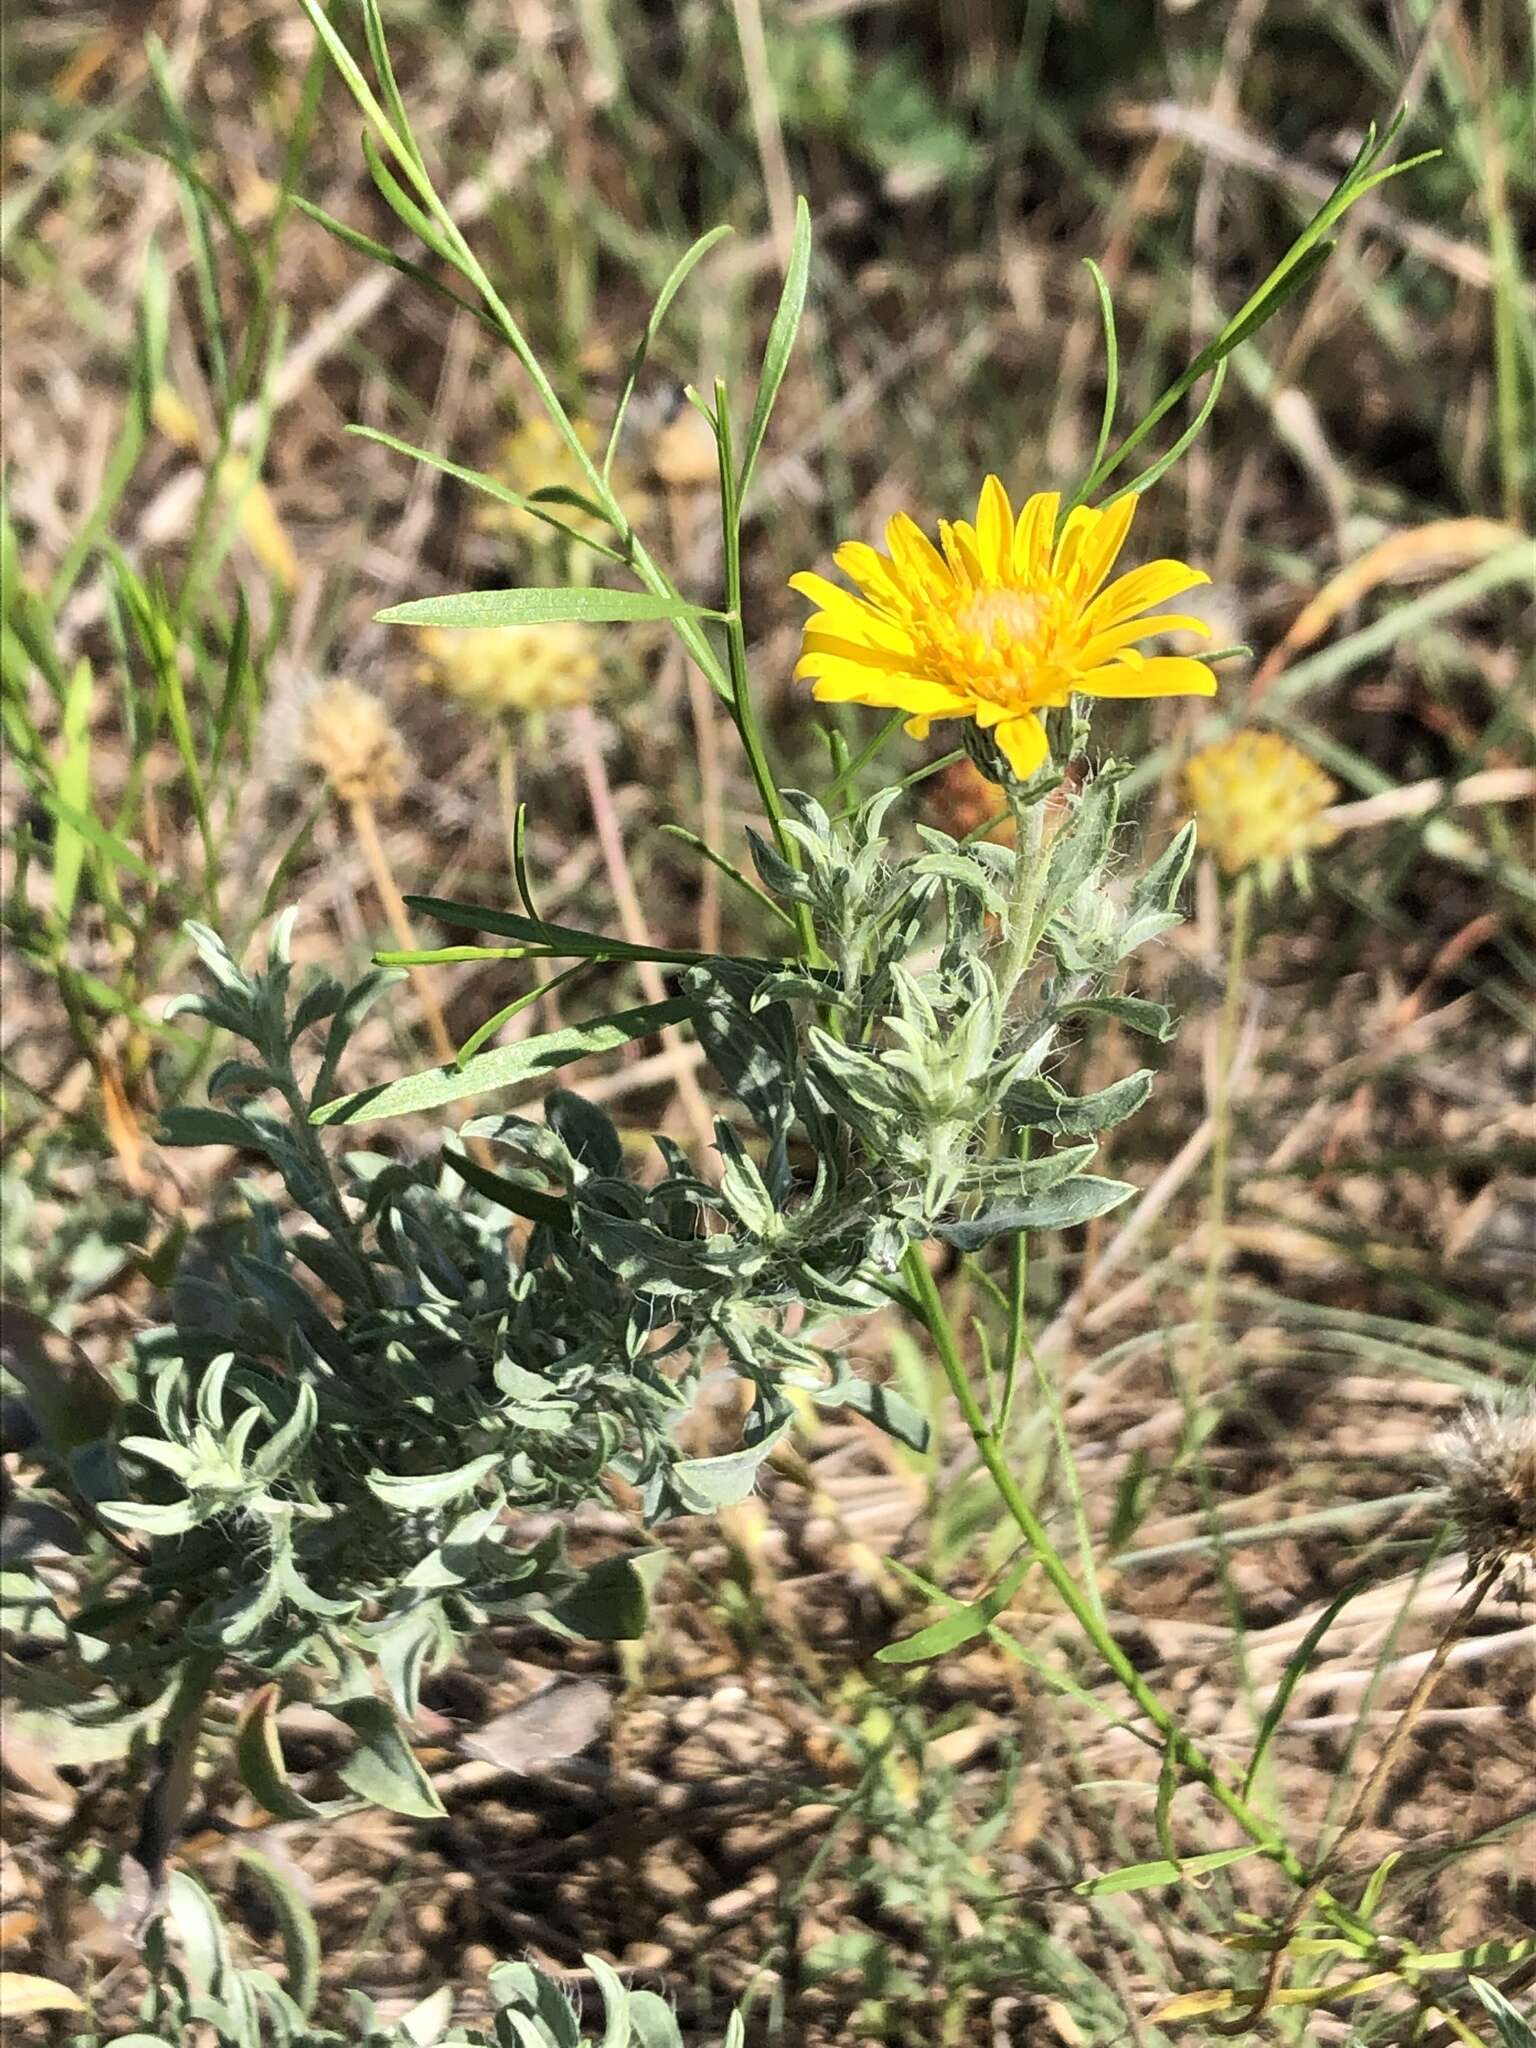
<point>1002,617</point>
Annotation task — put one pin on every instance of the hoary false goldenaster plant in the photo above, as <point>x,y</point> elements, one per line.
<point>1007,621</point>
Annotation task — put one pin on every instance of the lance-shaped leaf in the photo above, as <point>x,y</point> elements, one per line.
<point>1074,1201</point>
<point>535,607</point>
<point>418,1492</point>
<point>612,1603</point>
<point>1134,1012</point>
<point>961,1626</point>
<point>528,1060</point>
<point>382,1768</point>
<point>1038,1102</point>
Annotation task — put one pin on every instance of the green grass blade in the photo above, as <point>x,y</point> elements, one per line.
<point>72,780</point>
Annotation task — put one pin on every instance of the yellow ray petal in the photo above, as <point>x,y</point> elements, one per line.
<point>848,681</point>
<point>1102,547</point>
<point>829,596</point>
<point>1165,675</point>
<point>915,555</point>
<point>1033,536</point>
<point>1079,526</point>
<point>820,648</point>
<point>889,693</point>
<point>873,572</point>
<point>1137,592</point>
<point>1023,743</point>
<point>1103,645</point>
<point>994,530</point>
<point>864,626</point>
<point>964,553</point>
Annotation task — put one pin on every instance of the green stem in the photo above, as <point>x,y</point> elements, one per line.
<point>1028,882</point>
<point>648,571</point>
<point>743,710</point>
<point>1185,1753</point>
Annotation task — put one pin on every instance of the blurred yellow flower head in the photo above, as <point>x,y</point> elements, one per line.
<point>348,737</point>
<point>1259,803</point>
<point>535,458</point>
<point>500,671</point>
<point>1007,621</point>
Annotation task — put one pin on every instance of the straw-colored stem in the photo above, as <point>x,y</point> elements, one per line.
<point>1221,1124</point>
<point>762,102</point>
<point>366,828</point>
<point>605,820</point>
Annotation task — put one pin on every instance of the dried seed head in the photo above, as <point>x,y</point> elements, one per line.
<point>348,737</point>
<point>498,670</point>
<point>1486,1460</point>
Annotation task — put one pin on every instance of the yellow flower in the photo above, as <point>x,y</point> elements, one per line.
<point>1008,621</point>
<point>1259,802</point>
<point>535,458</point>
<point>497,670</point>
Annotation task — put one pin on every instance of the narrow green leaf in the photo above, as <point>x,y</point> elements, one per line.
<point>1076,1200</point>
<point>532,1203</point>
<point>531,1059</point>
<point>1147,477</point>
<point>259,1760</point>
<point>1111,362</point>
<point>547,938</point>
<point>515,1008</point>
<point>781,339</point>
<point>1295,1669</point>
<point>401,203</point>
<point>189,1125</point>
<point>379,252</point>
<point>675,279</point>
<point>1514,2030</point>
<point>378,50</point>
<point>612,1602</point>
<point>1134,1012</point>
<point>479,481</point>
<point>539,608</point>
<point>1142,1877</point>
<point>962,1626</point>
<point>733,873</point>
